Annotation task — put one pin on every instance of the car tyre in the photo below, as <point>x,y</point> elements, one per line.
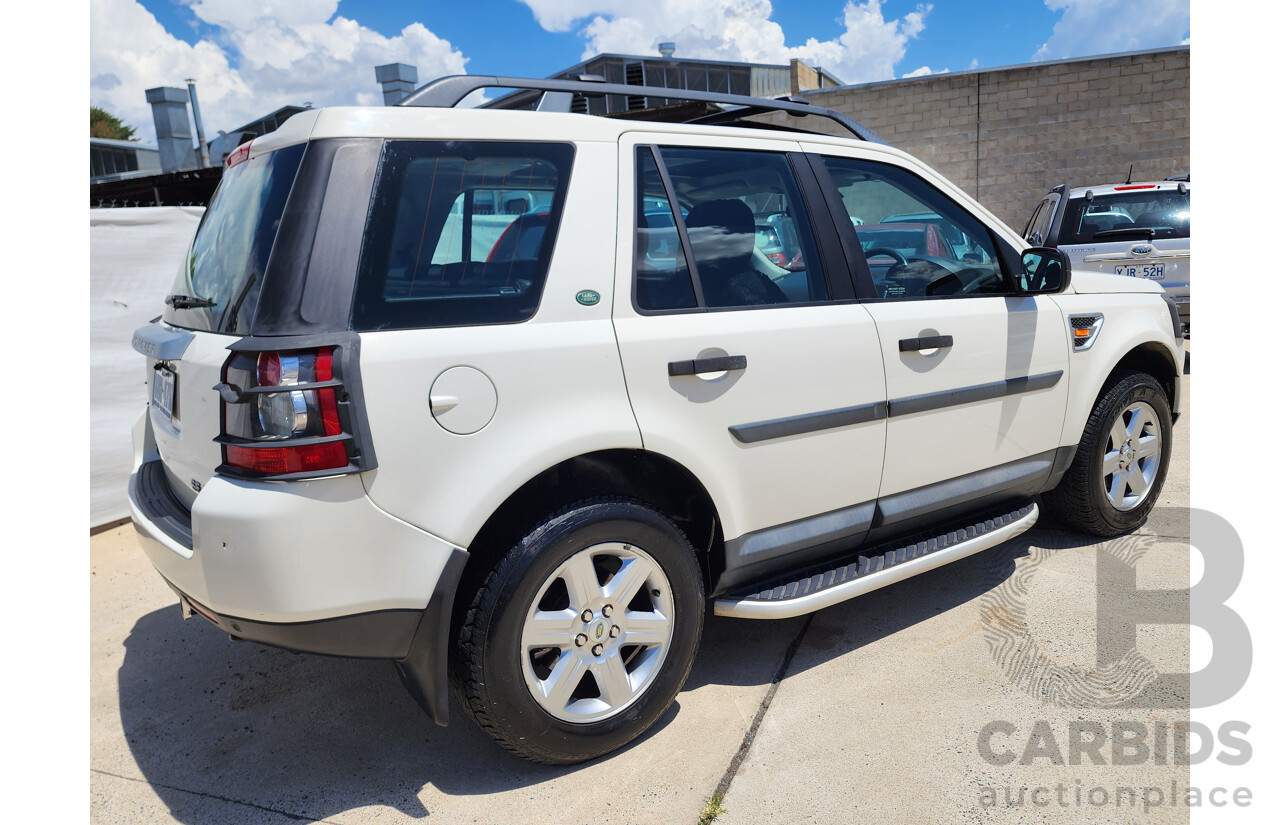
<point>1121,461</point>
<point>583,634</point>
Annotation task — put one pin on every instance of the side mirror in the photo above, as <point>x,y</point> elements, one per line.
<point>1044,272</point>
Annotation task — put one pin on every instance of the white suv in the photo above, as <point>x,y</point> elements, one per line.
<point>524,450</point>
<point>1141,230</point>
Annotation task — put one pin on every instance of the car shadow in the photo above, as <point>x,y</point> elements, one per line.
<point>317,736</point>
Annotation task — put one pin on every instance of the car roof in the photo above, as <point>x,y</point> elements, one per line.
<point>431,123</point>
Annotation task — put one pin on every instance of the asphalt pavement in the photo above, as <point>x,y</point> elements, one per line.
<point>1018,685</point>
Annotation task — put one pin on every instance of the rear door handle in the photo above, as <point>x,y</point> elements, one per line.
<point>925,342</point>
<point>698,365</point>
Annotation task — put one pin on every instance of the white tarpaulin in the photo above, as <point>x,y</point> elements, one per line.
<point>133,257</point>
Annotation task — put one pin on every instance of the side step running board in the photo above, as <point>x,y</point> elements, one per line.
<point>871,572</point>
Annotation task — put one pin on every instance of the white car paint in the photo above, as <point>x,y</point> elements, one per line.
<point>576,379</point>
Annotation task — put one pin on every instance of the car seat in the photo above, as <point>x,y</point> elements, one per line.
<point>722,234</point>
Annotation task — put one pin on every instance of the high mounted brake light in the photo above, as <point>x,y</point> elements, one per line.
<point>282,415</point>
<point>240,155</point>
<point>1136,186</point>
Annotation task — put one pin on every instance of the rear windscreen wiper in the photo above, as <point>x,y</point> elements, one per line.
<point>187,302</point>
<point>1138,231</point>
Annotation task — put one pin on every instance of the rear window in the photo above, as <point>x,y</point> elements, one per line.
<point>1127,216</point>
<point>229,255</point>
<point>460,233</point>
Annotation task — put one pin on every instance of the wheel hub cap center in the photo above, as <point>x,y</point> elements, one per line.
<point>598,631</point>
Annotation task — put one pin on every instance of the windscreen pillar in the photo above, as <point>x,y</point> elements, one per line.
<point>173,128</point>
<point>398,80</point>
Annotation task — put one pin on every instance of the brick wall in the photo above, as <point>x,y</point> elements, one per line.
<point>1007,135</point>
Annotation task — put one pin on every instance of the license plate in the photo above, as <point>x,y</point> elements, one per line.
<point>163,383</point>
<point>1153,272</point>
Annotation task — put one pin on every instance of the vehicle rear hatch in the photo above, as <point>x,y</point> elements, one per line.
<point>1138,230</point>
<point>270,261</point>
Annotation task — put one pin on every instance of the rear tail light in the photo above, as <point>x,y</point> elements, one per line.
<point>777,258</point>
<point>281,414</point>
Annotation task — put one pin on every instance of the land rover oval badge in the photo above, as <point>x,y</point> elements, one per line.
<point>588,297</point>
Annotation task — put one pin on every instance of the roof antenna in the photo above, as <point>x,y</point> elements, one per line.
<point>1130,178</point>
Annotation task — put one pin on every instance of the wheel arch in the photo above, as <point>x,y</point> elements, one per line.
<point>1148,355</point>
<point>651,477</point>
<point>1156,360</point>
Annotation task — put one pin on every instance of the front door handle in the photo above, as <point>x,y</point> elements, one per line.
<point>722,363</point>
<point>925,342</point>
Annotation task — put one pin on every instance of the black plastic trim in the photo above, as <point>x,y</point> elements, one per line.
<point>925,342</point>
<point>783,551</point>
<point>889,554</point>
<point>1060,212</point>
<point>809,422</point>
<point>425,666</point>
<point>767,552</point>
<point>1026,476</point>
<point>149,488</point>
<point>855,262</point>
<point>378,634</point>
<point>970,395</point>
<point>699,365</point>
<point>1174,318</point>
<point>826,237</point>
<point>309,269</point>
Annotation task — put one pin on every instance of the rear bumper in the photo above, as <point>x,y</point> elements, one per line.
<point>286,552</point>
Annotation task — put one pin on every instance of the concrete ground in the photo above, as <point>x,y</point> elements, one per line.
<point>870,711</point>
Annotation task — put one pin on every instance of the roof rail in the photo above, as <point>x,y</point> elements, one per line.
<point>447,92</point>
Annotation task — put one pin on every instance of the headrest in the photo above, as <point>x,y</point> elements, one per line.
<point>721,230</point>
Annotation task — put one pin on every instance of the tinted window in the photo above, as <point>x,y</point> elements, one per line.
<point>662,272</point>
<point>446,244</point>
<point>233,242</point>
<point>732,204</point>
<point>1127,216</point>
<point>918,242</point>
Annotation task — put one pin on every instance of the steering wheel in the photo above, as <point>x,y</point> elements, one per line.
<point>877,251</point>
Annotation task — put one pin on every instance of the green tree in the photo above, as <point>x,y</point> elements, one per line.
<point>103,124</point>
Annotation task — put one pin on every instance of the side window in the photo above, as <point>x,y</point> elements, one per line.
<point>460,233</point>
<point>749,239</point>
<point>917,241</point>
<point>661,271</point>
<point>1033,225</point>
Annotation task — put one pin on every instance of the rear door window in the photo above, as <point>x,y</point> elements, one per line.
<point>750,243</point>
<point>460,233</point>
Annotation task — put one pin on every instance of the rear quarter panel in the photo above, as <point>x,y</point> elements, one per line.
<point>558,379</point>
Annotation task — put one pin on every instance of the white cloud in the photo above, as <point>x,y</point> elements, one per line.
<point>270,53</point>
<point>1104,26</point>
<point>925,70</point>
<point>867,50</point>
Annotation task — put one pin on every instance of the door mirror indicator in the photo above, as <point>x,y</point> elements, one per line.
<point>1044,272</point>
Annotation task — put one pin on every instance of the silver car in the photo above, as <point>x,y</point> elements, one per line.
<point>1142,230</point>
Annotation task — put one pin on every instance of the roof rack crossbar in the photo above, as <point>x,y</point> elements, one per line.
<point>448,92</point>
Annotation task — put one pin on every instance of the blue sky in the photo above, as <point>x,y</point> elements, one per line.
<point>252,56</point>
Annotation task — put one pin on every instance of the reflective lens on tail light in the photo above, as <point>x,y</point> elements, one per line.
<point>304,414</point>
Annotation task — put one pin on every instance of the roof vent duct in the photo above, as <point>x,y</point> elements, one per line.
<point>398,81</point>
<point>667,49</point>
